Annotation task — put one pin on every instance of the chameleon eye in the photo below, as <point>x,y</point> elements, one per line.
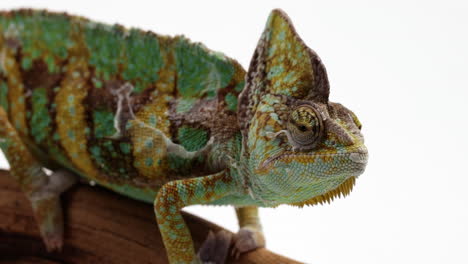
<point>305,127</point>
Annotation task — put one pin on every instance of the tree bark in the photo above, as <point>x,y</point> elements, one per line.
<point>100,227</point>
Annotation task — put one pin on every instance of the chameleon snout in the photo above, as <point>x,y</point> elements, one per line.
<point>359,158</point>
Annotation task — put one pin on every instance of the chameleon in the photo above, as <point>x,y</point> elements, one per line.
<point>167,121</point>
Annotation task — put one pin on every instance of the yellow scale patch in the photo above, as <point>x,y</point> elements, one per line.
<point>70,110</point>
<point>15,88</point>
<point>149,149</point>
<point>20,159</point>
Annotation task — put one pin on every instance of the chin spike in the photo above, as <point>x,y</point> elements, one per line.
<point>343,189</point>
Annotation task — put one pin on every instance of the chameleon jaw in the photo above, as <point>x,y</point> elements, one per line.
<point>358,157</point>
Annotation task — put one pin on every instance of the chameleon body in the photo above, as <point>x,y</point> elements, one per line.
<point>167,121</point>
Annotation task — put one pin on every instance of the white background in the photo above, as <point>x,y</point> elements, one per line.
<point>402,66</point>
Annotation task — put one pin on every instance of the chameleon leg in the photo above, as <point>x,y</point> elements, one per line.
<point>250,235</point>
<point>175,195</point>
<point>43,191</point>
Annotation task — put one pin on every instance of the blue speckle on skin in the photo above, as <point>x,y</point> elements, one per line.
<point>299,54</point>
<point>282,35</point>
<point>199,190</point>
<point>271,50</point>
<point>177,217</point>
<point>71,98</point>
<point>95,150</point>
<point>268,127</point>
<point>220,185</point>
<point>288,78</point>
<point>149,143</point>
<point>153,120</point>
<point>128,125</point>
<point>56,136</point>
<point>71,110</point>
<point>148,162</point>
<point>275,70</point>
<point>71,134</point>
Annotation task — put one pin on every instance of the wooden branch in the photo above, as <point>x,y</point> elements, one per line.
<point>101,227</point>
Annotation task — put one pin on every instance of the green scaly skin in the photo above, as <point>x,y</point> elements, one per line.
<point>164,120</point>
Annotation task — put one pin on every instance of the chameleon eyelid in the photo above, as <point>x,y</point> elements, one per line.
<point>305,140</point>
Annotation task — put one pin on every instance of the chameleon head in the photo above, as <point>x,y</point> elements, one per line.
<point>298,147</point>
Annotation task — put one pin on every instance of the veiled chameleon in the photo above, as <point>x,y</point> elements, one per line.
<point>164,120</point>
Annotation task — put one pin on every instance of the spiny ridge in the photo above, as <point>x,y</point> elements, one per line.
<point>342,190</point>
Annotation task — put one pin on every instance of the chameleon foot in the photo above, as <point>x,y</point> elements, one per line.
<point>48,210</point>
<point>247,239</point>
<point>48,214</point>
<point>215,248</point>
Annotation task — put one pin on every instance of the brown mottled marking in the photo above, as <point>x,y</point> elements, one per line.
<point>38,76</point>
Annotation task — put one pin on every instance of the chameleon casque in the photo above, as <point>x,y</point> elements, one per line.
<point>167,121</point>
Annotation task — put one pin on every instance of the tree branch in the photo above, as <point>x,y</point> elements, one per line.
<point>101,227</point>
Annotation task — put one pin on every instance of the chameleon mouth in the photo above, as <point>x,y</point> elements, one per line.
<point>343,189</point>
<point>358,157</point>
